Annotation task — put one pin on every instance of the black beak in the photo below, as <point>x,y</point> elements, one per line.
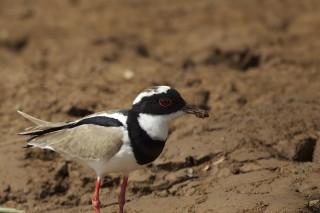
<point>200,113</point>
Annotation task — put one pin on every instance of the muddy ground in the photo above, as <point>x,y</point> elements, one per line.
<point>254,64</point>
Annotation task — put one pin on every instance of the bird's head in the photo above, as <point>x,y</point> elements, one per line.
<point>164,100</point>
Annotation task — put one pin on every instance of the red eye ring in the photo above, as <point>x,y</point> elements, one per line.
<point>165,101</point>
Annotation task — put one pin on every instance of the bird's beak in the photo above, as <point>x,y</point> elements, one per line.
<point>200,113</point>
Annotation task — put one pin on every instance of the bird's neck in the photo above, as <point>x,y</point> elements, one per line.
<point>155,126</point>
<point>147,135</point>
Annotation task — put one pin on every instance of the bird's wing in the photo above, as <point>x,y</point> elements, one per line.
<point>93,137</point>
<point>86,142</point>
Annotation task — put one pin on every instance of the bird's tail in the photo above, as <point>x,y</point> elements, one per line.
<point>41,127</point>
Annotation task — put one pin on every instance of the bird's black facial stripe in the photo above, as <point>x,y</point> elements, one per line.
<point>160,104</point>
<point>165,101</point>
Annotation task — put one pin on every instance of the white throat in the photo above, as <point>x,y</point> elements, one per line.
<point>156,126</point>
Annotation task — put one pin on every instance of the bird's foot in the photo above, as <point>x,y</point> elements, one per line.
<point>122,195</point>
<point>121,204</point>
<point>96,205</point>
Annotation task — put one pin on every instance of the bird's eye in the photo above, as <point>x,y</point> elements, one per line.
<point>165,101</point>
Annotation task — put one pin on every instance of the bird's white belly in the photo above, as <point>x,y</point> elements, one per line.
<point>122,162</point>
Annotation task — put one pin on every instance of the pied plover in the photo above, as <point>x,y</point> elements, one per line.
<point>115,141</point>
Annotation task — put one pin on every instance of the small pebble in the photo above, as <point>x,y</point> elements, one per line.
<point>220,160</point>
<point>190,173</point>
<point>128,74</point>
<point>314,203</point>
<point>163,193</point>
<point>207,168</point>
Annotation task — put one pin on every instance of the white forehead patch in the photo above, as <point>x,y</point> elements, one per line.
<point>151,91</point>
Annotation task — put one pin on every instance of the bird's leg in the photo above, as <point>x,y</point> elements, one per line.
<point>122,195</point>
<point>95,199</point>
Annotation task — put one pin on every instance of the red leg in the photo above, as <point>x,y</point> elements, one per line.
<point>122,196</point>
<point>95,199</point>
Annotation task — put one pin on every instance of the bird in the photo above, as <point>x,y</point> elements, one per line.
<point>115,141</point>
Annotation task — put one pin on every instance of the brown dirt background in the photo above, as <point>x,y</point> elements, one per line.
<point>254,64</point>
